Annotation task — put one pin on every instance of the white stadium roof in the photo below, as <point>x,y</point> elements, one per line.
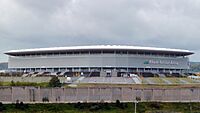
<point>99,47</point>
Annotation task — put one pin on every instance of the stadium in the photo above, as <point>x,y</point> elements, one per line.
<point>100,60</point>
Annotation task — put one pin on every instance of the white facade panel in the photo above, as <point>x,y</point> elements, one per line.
<point>99,60</point>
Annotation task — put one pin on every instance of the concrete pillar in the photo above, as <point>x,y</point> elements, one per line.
<point>114,73</point>
<point>102,73</point>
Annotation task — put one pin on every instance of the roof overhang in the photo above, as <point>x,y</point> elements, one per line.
<point>100,47</point>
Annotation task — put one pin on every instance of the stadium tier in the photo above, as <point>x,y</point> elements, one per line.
<point>100,60</point>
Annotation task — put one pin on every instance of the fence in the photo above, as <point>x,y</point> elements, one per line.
<point>97,94</point>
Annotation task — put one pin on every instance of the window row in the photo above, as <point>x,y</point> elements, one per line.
<point>101,52</point>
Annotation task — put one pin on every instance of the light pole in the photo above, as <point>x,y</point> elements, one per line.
<point>136,105</point>
<point>137,99</point>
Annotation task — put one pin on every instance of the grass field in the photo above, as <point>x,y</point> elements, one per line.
<point>165,82</point>
<point>103,108</point>
<point>140,86</point>
<point>44,84</point>
<point>170,80</point>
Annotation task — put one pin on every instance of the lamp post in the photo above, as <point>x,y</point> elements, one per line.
<point>136,105</point>
<point>137,99</point>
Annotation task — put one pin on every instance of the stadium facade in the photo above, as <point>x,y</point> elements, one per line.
<point>101,60</point>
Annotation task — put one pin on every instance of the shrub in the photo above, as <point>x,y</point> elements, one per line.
<point>54,82</point>
<point>45,99</point>
<point>106,106</point>
<point>1,107</point>
<point>94,107</point>
<point>138,99</point>
<point>20,105</point>
<point>12,83</point>
<point>125,105</point>
<point>155,105</point>
<point>119,104</point>
<point>77,105</point>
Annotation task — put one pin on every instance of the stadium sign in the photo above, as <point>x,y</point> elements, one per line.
<point>163,62</point>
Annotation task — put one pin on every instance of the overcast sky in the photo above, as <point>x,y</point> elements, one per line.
<point>53,23</point>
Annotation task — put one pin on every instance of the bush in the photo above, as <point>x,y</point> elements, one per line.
<point>94,107</point>
<point>12,83</point>
<point>117,103</point>
<point>77,105</point>
<point>20,105</point>
<point>45,99</point>
<point>81,106</point>
<point>1,107</point>
<point>138,99</point>
<point>155,105</point>
<point>54,82</point>
<point>106,106</point>
<point>125,105</point>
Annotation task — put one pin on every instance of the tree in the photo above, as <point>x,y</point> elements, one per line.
<point>12,83</point>
<point>54,82</point>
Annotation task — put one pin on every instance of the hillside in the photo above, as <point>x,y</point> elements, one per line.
<point>195,66</point>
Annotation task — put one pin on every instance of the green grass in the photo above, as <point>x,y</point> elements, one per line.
<point>140,85</point>
<point>173,80</point>
<point>157,80</point>
<point>159,83</point>
<point>43,84</point>
<point>105,108</point>
<point>144,81</point>
<point>189,80</point>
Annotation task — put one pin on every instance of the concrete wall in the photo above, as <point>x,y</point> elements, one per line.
<point>97,94</point>
<point>102,60</point>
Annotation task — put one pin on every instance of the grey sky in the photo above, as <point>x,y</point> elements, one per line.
<point>47,23</point>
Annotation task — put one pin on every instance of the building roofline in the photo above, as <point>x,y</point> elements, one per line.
<point>100,47</point>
